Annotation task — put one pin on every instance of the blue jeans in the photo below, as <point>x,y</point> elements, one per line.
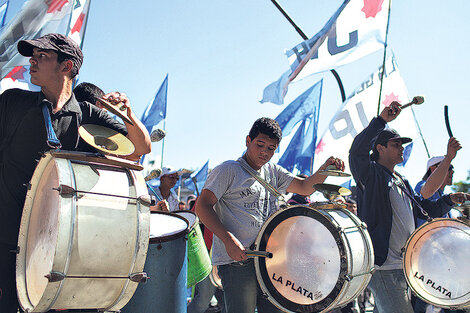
<point>204,290</point>
<point>389,288</point>
<point>242,293</point>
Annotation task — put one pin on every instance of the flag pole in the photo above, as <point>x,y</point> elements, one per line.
<point>385,55</point>
<point>304,37</point>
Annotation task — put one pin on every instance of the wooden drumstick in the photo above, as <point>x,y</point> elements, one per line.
<point>416,100</point>
<point>254,254</point>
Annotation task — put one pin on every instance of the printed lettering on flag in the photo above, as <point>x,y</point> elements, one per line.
<point>78,20</point>
<point>358,110</point>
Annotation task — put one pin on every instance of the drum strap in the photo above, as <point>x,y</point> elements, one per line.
<point>407,193</point>
<point>262,181</point>
<point>52,140</point>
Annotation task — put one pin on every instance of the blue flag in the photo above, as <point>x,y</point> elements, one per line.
<point>156,111</point>
<point>301,108</point>
<point>406,154</point>
<point>3,13</point>
<point>289,158</point>
<point>200,178</point>
<point>276,91</point>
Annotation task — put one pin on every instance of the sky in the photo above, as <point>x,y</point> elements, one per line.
<point>219,56</point>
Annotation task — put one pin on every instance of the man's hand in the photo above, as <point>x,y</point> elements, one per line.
<point>453,145</point>
<point>120,100</point>
<point>235,249</point>
<point>337,162</point>
<point>391,112</point>
<point>161,206</point>
<point>459,197</point>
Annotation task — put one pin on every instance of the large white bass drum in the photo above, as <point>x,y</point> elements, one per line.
<point>436,263</point>
<point>321,259</point>
<point>83,236</point>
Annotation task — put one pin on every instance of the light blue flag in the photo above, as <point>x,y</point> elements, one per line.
<point>276,91</point>
<point>200,178</point>
<point>299,109</point>
<point>156,111</point>
<point>406,154</point>
<point>3,13</point>
<point>294,149</point>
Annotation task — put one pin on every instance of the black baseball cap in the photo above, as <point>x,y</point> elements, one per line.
<point>389,134</point>
<point>385,136</point>
<point>55,42</point>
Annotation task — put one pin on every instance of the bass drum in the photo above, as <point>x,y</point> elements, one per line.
<point>436,263</point>
<point>321,259</point>
<point>83,235</point>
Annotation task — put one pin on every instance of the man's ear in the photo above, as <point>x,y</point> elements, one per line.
<point>67,66</point>
<point>248,140</point>
<point>380,148</point>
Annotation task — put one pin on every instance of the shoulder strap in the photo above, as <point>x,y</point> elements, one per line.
<point>52,140</point>
<point>263,182</point>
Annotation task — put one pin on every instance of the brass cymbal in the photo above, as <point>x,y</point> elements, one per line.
<point>332,191</point>
<point>114,109</point>
<point>106,140</point>
<point>332,170</point>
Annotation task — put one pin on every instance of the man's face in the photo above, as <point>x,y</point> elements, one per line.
<point>260,150</point>
<point>169,180</point>
<point>351,207</point>
<point>393,152</point>
<point>44,67</point>
<point>450,176</point>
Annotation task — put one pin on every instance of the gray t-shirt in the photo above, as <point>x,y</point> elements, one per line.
<point>243,203</point>
<point>403,225</point>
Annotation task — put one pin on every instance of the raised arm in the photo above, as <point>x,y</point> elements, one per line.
<point>438,176</point>
<point>136,133</point>
<point>205,210</point>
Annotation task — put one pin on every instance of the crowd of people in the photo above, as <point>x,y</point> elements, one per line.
<point>233,204</point>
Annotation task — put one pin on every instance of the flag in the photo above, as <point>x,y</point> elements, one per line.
<point>35,19</point>
<point>3,13</point>
<point>304,106</point>
<point>200,178</point>
<point>156,111</point>
<point>356,29</point>
<point>360,107</point>
<point>300,152</point>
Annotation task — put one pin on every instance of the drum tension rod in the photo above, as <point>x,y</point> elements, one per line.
<point>140,277</point>
<point>65,190</point>
<point>345,229</point>
<point>350,277</point>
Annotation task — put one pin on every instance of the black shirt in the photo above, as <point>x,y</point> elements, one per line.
<point>22,140</point>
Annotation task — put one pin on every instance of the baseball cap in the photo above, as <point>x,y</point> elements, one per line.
<point>433,161</point>
<point>170,170</point>
<point>389,134</point>
<point>55,42</point>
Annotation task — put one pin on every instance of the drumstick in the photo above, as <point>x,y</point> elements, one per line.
<point>446,118</point>
<point>254,254</point>
<point>416,100</point>
<point>153,191</point>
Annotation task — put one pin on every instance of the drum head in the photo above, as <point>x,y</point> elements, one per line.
<point>436,263</point>
<point>305,273</point>
<point>190,216</point>
<point>166,226</point>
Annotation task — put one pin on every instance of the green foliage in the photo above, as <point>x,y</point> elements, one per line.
<point>463,186</point>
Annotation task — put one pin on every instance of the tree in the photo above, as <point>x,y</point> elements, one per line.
<point>463,186</point>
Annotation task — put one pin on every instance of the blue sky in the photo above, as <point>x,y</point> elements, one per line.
<point>221,54</point>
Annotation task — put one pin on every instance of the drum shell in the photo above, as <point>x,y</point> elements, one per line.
<point>86,235</point>
<point>354,250</point>
<point>199,262</point>
<point>434,263</point>
<point>166,266</point>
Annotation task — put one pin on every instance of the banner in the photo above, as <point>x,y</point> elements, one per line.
<point>37,18</point>
<point>356,29</point>
<point>156,111</point>
<point>358,110</point>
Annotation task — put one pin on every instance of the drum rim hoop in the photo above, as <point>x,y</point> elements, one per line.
<point>268,227</point>
<point>166,238</point>
<point>196,218</point>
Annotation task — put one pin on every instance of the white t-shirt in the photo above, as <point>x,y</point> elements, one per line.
<point>173,201</point>
<point>243,203</point>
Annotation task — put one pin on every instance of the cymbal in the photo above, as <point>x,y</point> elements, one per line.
<point>332,170</point>
<point>106,140</point>
<point>115,110</point>
<point>331,191</point>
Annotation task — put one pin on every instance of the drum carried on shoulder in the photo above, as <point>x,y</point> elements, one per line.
<point>83,235</point>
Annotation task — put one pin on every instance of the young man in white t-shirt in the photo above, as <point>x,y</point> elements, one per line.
<point>234,206</point>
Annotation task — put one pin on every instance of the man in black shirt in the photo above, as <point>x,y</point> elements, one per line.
<point>55,61</point>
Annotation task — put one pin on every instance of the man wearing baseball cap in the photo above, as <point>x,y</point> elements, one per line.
<point>388,205</point>
<point>55,61</point>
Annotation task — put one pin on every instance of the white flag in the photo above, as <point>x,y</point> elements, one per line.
<point>359,109</point>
